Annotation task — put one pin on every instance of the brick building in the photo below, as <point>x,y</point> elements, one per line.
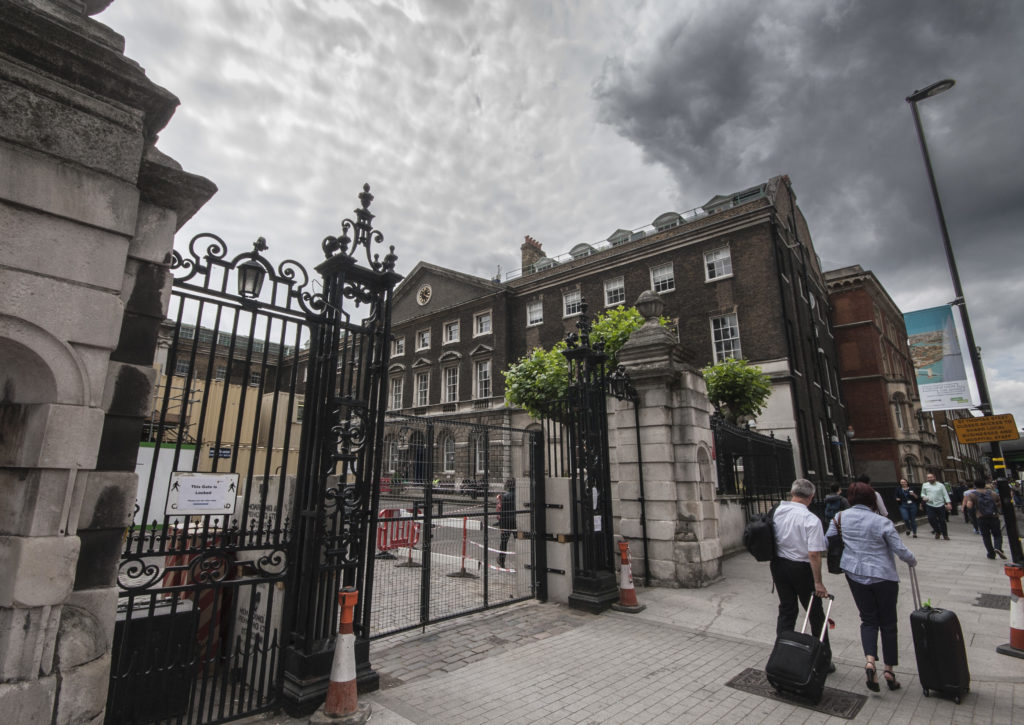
<point>892,436</point>
<point>738,275</point>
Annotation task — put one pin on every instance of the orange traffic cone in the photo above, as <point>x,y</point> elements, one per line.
<point>342,706</point>
<point>627,592</point>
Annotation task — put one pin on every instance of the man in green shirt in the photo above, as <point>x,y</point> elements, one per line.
<point>936,498</point>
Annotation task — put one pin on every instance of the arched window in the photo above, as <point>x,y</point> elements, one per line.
<point>897,406</point>
<point>448,454</point>
<point>910,469</point>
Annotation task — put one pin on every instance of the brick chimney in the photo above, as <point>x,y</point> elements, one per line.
<point>531,250</point>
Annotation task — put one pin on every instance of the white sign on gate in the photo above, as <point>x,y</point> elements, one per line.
<point>201,493</point>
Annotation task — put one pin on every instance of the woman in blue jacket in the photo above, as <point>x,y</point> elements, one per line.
<point>870,541</point>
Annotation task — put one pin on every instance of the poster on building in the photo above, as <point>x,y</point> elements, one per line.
<point>945,376</point>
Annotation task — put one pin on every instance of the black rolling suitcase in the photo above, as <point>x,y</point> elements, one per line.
<point>939,646</point>
<point>798,662</point>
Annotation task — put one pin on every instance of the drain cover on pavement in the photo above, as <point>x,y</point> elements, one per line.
<point>993,601</point>
<point>837,703</point>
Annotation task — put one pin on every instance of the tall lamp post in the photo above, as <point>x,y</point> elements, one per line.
<point>972,349</point>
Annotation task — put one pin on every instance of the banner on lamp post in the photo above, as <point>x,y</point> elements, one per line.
<point>945,376</point>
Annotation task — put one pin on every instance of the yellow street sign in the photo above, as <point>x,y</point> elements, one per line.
<point>986,430</point>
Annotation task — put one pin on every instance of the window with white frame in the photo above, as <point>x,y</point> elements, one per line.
<point>423,339</point>
<point>614,291</point>
<point>221,372</point>
<point>717,264</point>
<point>397,389</point>
<point>572,303</point>
<point>897,406</point>
<point>826,453</point>
<point>451,384</point>
<point>422,388</point>
<point>398,346</point>
<point>662,279</point>
<point>448,447</point>
<point>451,331</point>
<point>482,323</point>
<point>393,455</point>
<point>534,313</point>
<point>480,453</point>
<point>181,366</point>
<point>725,335</point>
<point>254,378</point>
<point>483,379</point>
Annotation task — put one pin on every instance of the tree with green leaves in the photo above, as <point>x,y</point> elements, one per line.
<point>737,389</point>
<point>542,376</point>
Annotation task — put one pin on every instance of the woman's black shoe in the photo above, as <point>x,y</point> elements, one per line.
<point>890,680</point>
<point>872,683</point>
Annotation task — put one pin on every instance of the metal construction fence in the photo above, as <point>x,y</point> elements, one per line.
<point>453,522</point>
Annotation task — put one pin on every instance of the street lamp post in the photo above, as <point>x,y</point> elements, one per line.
<point>972,349</point>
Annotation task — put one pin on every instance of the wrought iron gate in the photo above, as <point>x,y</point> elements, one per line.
<point>254,477</point>
<point>443,547</point>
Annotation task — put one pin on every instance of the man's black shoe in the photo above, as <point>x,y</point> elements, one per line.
<point>990,555</point>
<point>1000,553</point>
<point>831,668</point>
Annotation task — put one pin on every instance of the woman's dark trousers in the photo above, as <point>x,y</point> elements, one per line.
<point>877,606</point>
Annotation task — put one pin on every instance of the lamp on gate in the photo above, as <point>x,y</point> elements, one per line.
<point>251,273</point>
<point>250,278</point>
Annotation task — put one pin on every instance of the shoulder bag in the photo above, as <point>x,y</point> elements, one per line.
<point>835,547</point>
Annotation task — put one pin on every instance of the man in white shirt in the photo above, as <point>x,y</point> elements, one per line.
<point>935,497</point>
<point>796,569</point>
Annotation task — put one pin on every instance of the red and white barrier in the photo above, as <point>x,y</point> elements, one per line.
<point>627,592</point>
<point>1015,647</point>
<point>342,704</point>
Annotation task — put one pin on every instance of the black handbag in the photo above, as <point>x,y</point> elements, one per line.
<point>835,548</point>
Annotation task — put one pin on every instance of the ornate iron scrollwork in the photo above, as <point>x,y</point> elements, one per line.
<point>364,236</point>
<point>135,573</point>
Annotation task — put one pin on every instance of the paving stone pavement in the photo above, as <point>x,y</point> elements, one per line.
<point>545,663</point>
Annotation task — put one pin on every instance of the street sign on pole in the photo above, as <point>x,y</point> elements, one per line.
<point>986,430</point>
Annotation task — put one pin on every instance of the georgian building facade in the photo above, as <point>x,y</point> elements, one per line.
<point>739,277</point>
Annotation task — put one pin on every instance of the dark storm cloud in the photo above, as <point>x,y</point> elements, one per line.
<point>479,122</point>
<point>742,91</point>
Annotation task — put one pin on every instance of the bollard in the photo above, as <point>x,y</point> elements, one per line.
<point>462,573</point>
<point>627,592</point>
<point>342,705</point>
<point>1015,647</point>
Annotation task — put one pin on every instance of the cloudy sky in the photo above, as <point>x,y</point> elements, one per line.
<point>477,123</point>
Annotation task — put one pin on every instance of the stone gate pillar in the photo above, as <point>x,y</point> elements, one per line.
<point>683,546</point>
<point>88,211</point>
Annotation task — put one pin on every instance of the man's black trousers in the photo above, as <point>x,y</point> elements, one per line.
<point>795,584</point>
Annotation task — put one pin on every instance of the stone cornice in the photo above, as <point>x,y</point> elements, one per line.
<point>82,53</point>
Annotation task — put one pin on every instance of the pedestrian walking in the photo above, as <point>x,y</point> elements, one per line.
<point>936,503</point>
<point>796,568</point>
<point>870,542</point>
<point>879,507</point>
<point>506,517</point>
<point>908,502</point>
<point>834,502</point>
<point>985,504</point>
<point>956,497</point>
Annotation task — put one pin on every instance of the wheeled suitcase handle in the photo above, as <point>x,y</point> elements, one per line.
<point>824,626</point>
<point>915,589</point>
